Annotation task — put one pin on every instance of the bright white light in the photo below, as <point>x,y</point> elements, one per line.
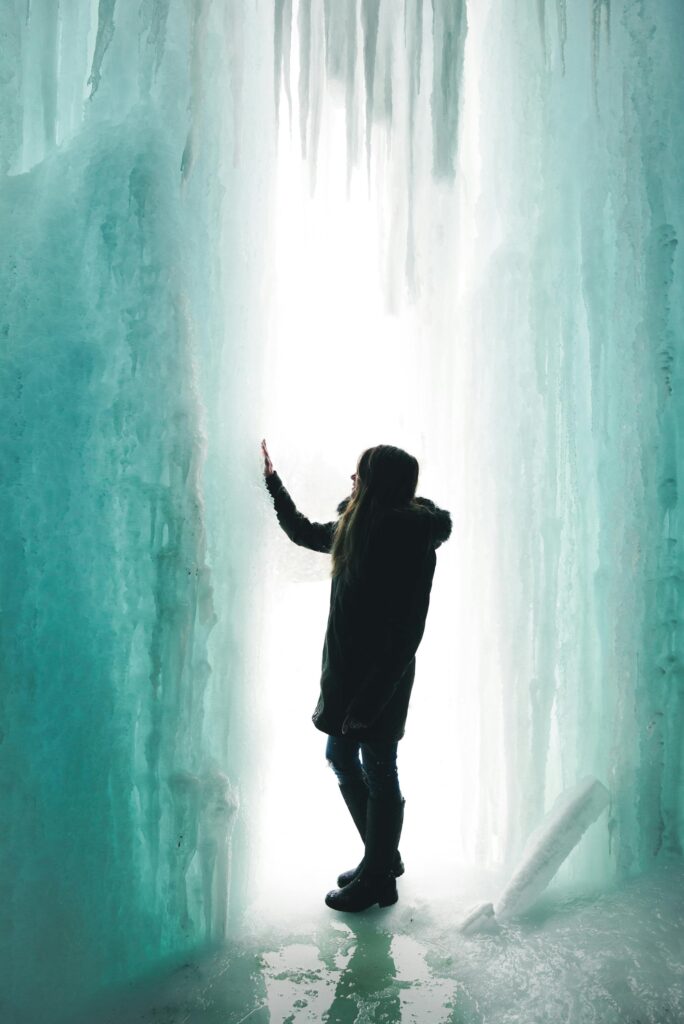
<point>343,373</point>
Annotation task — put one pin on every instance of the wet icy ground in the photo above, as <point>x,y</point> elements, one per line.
<point>576,959</point>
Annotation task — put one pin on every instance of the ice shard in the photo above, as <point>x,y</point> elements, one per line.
<point>550,843</point>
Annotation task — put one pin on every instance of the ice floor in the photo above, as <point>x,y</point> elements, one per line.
<point>576,959</point>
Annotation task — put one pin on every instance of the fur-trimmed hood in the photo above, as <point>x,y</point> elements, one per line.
<point>421,515</point>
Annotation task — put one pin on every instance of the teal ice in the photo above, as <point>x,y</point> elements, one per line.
<point>526,160</point>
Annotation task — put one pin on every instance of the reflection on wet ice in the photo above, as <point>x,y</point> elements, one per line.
<point>356,973</point>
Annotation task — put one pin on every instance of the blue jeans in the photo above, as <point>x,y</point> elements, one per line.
<point>379,768</point>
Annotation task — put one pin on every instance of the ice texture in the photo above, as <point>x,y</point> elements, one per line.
<point>550,843</point>
<point>608,959</point>
<point>120,677</point>
<point>523,162</point>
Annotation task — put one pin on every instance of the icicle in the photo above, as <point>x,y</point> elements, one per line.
<point>449,27</point>
<point>413,33</point>
<point>350,89</point>
<point>336,15</point>
<point>340,59</point>
<point>105,34</point>
<point>370,13</point>
<point>185,796</point>
<point>541,22</point>
<point>282,34</point>
<point>600,19</point>
<point>316,89</point>
<point>219,807</point>
<point>562,17</point>
<point>157,14</point>
<point>200,11</point>
<point>304,31</point>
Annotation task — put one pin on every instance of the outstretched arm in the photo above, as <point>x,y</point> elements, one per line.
<point>316,536</point>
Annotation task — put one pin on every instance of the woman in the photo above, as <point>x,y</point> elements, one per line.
<point>383,560</point>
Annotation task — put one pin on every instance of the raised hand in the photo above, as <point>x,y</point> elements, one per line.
<point>268,465</point>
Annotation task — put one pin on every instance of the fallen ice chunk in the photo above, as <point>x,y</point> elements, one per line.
<point>550,843</point>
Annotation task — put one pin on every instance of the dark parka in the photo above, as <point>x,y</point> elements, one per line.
<point>376,620</point>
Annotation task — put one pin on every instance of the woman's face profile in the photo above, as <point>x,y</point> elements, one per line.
<point>355,481</point>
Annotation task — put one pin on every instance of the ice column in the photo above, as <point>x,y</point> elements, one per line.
<point>577,309</point>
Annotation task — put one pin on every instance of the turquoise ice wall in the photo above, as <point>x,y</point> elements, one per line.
<point>579,308</point>
<point>541,253</point>
<point>119,137</point>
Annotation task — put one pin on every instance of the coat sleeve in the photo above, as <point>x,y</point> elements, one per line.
<point>401,622</point>
<point>441,521</point>
<point>316,536</point>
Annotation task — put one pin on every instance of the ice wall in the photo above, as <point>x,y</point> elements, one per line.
<point>577,309</point>
<point>119,143</point>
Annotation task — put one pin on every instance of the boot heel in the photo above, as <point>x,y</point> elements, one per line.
<point>348,876</point>
<point>389,895</point>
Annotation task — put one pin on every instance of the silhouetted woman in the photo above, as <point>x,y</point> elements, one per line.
<point>383,560</point>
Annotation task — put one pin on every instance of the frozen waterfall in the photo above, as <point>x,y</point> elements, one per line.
<point>450,226</point>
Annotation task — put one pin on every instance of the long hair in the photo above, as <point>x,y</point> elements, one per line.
<point>387,478</point>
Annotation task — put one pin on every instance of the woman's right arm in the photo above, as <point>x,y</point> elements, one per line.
<point>316,536</point>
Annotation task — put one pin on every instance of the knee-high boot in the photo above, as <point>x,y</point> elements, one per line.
<point>376,882</point>
<point>355,795</point>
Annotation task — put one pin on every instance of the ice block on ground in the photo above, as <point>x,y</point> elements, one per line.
<point>550,843</point>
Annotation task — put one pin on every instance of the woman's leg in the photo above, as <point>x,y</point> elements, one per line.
<point>385,811</point>
<point>342,754</point>
<point>375,882</point>
<point>380,769</point>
